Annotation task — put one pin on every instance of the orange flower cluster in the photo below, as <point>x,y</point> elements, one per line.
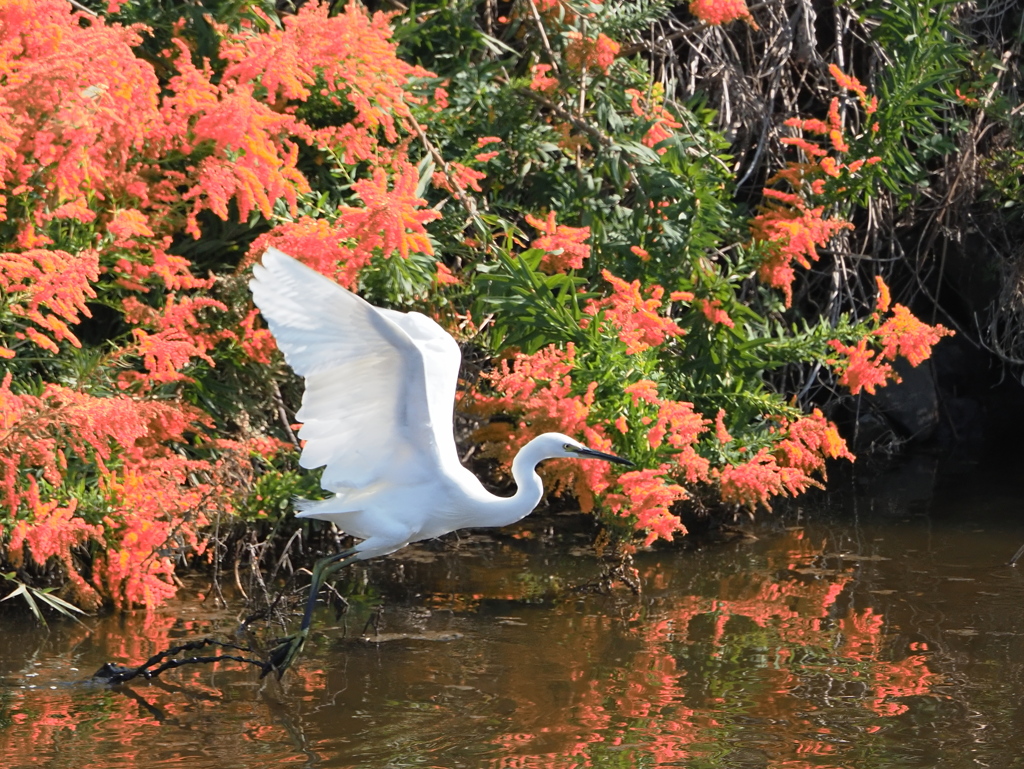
<point>648,495</point>
<point>564,245</point>
<point>800,452</point>
<point>390,221</point>
<point>859,368</point>
<point>792,231</point>
<point>901,334</point>
<point>462,176</point>
<point>809,441</point>
<point>759,479</point>
<point>49,289</point>
<point>719,12</point>
<point>352,52</point>
<point>149,489</point>
<point>53,533</point>
<point>663,123</point>
<point>636,319</point>
<point>590,53</point>
<point>712,309</point>
<point>542,82</point>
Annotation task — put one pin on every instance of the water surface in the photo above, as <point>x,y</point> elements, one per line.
<point>878,627</point>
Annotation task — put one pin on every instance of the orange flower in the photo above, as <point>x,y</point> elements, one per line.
<point>721,11</point>
<point>860,369</point>
<point>565,246</point>
<point>391,221</point>
<point>759,479</point>
<point>593,53</point>
<point>466,178</point>
<point>636,319</point>
<point>541,82</point>
<point>849,82</point>
<point>444,275</point>
<point>884,297</point>
<point>258,343</point>
<point>792,232</point>
<point>903,334</point>
<point>663,123</point>
<point>721,433</point>
<point>809,441</point>
<point>678,425</point>
<point>50,289</point>
<point>712,309</point>
<point>648,496</point>
<point>642,390</point>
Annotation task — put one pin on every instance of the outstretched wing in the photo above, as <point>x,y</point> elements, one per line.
<point>380,384</point>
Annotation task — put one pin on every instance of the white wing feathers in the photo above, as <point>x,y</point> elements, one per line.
<point>380,384</point>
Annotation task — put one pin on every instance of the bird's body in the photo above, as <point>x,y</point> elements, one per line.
<point>377,415</point>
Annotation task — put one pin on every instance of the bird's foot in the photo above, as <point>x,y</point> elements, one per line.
<point>285,653</point>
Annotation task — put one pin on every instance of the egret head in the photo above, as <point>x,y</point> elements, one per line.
<point>557,445</point>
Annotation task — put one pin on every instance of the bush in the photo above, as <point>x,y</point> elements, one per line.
<point>528,181</point>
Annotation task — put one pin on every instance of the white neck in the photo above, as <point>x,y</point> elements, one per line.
<point>501,511</point>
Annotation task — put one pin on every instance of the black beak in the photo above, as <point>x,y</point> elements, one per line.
<point>592,454</point>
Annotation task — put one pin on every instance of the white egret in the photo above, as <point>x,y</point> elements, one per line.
<point>377,415</point>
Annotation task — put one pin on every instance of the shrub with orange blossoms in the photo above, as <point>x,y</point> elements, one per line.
<point>106,159</point>
<point>543,82</point>
<point>351,53</point>
<point>53,531</point>
<point>809,441</point>
<point>119,444</point>
<point>903,334</point>
<point>69,84</point>
<point>801,449</point>
<point>790,226</point>
<point>860,368</point>
<point>463,177</point>
<point>390,220</point>
<point>647,495</point>
<point>712,309</point>
<point>760,478</point>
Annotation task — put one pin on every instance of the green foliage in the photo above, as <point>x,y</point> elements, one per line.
<point>613,268</point>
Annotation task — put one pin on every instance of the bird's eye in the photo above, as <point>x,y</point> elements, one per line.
<point>568,447</point>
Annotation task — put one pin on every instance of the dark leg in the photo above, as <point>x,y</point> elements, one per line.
<point>1017,556</point>
<point>374,620</point>
<point>286,652</point>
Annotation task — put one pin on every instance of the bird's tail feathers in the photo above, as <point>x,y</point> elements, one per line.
<point>314,508</point>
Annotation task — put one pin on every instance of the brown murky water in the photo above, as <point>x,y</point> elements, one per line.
<point>879,628</point>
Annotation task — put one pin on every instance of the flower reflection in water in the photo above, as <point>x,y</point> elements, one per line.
<point>727,659</point>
